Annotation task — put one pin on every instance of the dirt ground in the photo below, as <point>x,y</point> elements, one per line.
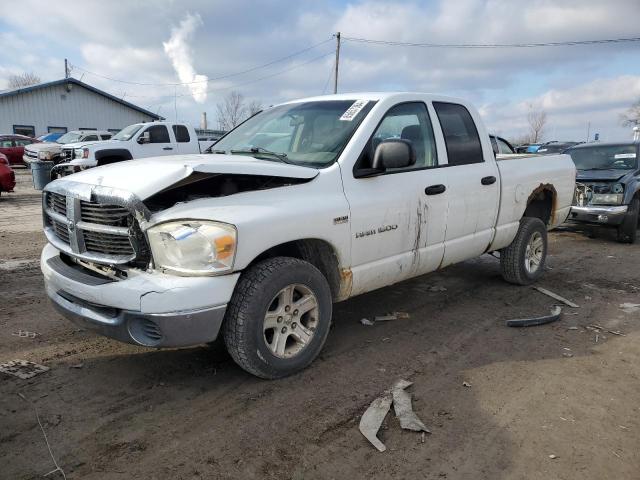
<point>113,411</point>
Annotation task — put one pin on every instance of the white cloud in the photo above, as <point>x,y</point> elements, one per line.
<point>178,50</point>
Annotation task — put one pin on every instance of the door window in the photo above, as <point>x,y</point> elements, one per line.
<point>504,147</point>
<point>407,121</point>
<point>90,138</point>
<point>158,134</point>
<point>460,134</point>
<point>181,133</point>
<point>22,143</point>
<point>6,143</point>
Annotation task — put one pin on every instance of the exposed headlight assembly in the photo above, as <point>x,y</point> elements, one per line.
<point>193,247</point>
<point>617,188</point>
<point>45,155</point>
<point>81,153</point>
<point>606,199</point>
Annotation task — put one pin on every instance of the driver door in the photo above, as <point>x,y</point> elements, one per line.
<point>398,218</point>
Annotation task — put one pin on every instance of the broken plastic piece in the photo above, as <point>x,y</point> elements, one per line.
<point>630,307</point>
<point>556,313</point>
<point>372,420</point>
<point>557,297</point>
<point>366,321</point>
<point>402,406</point>
<point>24,334</point>
<point>22,368</point>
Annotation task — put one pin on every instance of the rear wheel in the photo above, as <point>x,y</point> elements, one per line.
<point>278,318</point>
<point>628,231</point>
<point>523,261</point>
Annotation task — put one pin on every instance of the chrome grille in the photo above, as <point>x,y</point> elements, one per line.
<point>57,203</point>
<point>101,232</point>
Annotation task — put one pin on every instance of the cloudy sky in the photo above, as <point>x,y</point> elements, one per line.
<point>212,47</point>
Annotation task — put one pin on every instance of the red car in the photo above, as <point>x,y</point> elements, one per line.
<point>7,177</point>
<point>12,146</point>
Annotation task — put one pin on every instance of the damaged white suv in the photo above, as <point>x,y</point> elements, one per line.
<point>305,204</point>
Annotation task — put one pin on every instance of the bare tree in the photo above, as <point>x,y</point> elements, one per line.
<point>537,119</point>
<point>631,117</point>
<point>254,107</point>
<point>23,80</point>
<point>233,110</point>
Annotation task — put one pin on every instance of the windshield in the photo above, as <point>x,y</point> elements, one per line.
<point>311,133</point>
<point>70,137</point>
<point>614,157</point>
<point>126,133</point>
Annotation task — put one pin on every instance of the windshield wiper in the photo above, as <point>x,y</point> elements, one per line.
<point>279,156</point>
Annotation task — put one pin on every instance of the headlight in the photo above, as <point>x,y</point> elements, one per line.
<point>193,247</point>
<point>617,188</point>
<point>606,199</point>
<point>44,155</point>
<point>81,153</point>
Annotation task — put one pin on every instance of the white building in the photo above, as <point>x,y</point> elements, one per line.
<point>65,105</point>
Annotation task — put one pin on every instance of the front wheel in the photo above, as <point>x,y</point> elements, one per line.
<point>628,231</point>
<point>278,318</point>
<point>523,261</point>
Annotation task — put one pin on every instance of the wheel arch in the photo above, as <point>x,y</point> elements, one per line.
<point>542,204</point>
<point>319,253</point>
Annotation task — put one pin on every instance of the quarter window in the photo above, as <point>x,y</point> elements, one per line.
<point>158,134</point>
<point>460,134</point>
<point>181,133</point>
<point>408,121</point>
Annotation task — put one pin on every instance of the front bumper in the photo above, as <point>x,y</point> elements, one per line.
<point>602,215</point>
<point>149,309</point>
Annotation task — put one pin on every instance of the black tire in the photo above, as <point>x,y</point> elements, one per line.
<point>628,231</point>
<point>244,331</point>
<point>513,259</point>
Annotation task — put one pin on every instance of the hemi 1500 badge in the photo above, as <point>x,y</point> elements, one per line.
<point>384,228</point>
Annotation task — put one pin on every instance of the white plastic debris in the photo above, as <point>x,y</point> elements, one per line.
<point>630,307</point>
<point>366,321</point>
<point>556,297</point>
<point>22,369</point>
<point>403,409</point>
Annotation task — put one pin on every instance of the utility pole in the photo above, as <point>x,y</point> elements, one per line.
<point>588,130</point>
<point>66,68</point>
<point>335,78</point>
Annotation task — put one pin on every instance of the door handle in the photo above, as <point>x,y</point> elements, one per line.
<point>435,189</point>
<point>488,180</point>
<point>168,148</point>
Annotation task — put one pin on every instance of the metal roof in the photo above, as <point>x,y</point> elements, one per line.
<point>31,88</point>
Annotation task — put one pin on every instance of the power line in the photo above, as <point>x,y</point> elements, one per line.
<point>569,43</point>
<point>221,77</point>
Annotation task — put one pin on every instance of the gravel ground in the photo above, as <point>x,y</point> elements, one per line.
<point>114,411</point>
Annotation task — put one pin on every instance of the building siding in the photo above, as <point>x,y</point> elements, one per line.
<point>54,106</point>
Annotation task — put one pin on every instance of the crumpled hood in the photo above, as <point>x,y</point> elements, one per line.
<point>82,144</point>
<point>147,176</point>
<point>601,175</point>
<point>44,147</point>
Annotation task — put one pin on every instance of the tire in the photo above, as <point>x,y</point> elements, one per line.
<point>517,265</point>
<point>260,300</point>
<point>628,231</point>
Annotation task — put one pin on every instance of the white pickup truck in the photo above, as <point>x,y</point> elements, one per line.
<point>140,140</point>
<point>305,204</point>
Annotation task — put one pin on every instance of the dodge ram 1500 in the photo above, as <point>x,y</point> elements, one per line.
<point>308,203</point>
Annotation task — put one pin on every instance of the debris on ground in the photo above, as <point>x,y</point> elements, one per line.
<point>77,365</point>
<point>372,419</point>
<point>556,297</point>
<point>436,288</point>
<point>572,328</point>
<point>22,369</point>
<point>385,318</point>
<point>402,407</point>
<point>630,307</point>
<point>555,315</point>
<point>46,440</point>
<point>466,384</point>
<point>553,457</point>
<point>366,321</point>
<point>25,334</point>
<point>567,355</point>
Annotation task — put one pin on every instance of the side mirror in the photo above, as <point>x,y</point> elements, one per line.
<point>145,137</point>
<point>394,153</point>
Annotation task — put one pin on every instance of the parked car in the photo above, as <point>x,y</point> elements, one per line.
<point>52,151</point>
<point>50,137</point>
<point>12,146</point>
<point>608,186</point>
<point>554,147</point>
<point>7,175</point>
<point>140,140</point>
<point>501,146</point>
<point>305,204</point>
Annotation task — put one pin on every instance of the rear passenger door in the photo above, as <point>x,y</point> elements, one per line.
<point>474,188</point>
<point>183,139</point>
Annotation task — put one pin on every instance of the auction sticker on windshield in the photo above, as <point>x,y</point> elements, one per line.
<point>354,110</point>
<point>624,155</point>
